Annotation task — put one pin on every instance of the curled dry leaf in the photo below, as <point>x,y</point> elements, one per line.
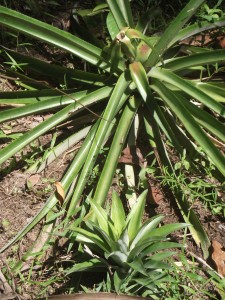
<point>218,257</point>
<point>60,194</point>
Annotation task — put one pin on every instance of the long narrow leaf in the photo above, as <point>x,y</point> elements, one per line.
<point>117,95</point>
<point>54,153</point>
<point>145,229</point>
<point>135,216</point>
<point>66,181</point>
<point>191,125</point>
<point>186,86</point>
<point>41,106</point>
<point>52,35</point>
<point>175,26</point>
<point>205,119</point>
<point>117,145</point>
<point>187,212</point>
<point>60,116</point>
<point>118,16</point>
<point>210,57</point>
<point>125,8</point>
<point>55,72</point>
<point>30,97</point>
<point>117,214</point>
<point>165,230</point>
<point>93,263</point>
<point>196,28</point>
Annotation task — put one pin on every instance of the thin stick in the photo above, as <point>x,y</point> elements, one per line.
<point>200,260</point>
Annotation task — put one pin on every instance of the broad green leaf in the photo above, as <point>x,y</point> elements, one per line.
<point>117,213</point>
<point>167,229</point>
<point>145,229</point>
<point>117,281</point>
<point>102,218</point>
<point>123,242</point>
<point>139,77</point>
<point>134,218</point>
<point>100,7</point>
<point>119,257</point>
<point>117,14</point>
<point>112,26</point>
<point>138,250</point>
<point>161,246</point>
<point>107,238</point>
<point>84,235</point>
<point>214,90</point>
<point>125,8</point>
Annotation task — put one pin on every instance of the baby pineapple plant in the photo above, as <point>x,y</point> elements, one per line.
<point>174,90</point>
<point>130,249</point>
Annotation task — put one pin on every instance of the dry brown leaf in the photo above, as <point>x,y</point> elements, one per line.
<point>156,195</point>
<point>33,180</point>
<point>60,194</point>
<point>132,155</point>
<point>213,38</point>
<point>218,257</point>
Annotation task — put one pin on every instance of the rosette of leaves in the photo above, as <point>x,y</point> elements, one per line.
<point>176,90</point>
<point>132,251</point>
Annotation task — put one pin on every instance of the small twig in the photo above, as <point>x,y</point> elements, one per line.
<point>8,292</point>
<point>8,77</point>
<point>200,260</point>
<point>10,273</point>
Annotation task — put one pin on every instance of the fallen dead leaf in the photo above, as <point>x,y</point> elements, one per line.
<point>155,195</point>
<point>218,257</point>
<point>132,155</point>
<point>212,38</point>
<point>33,180</point>
<point>60,194</point>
